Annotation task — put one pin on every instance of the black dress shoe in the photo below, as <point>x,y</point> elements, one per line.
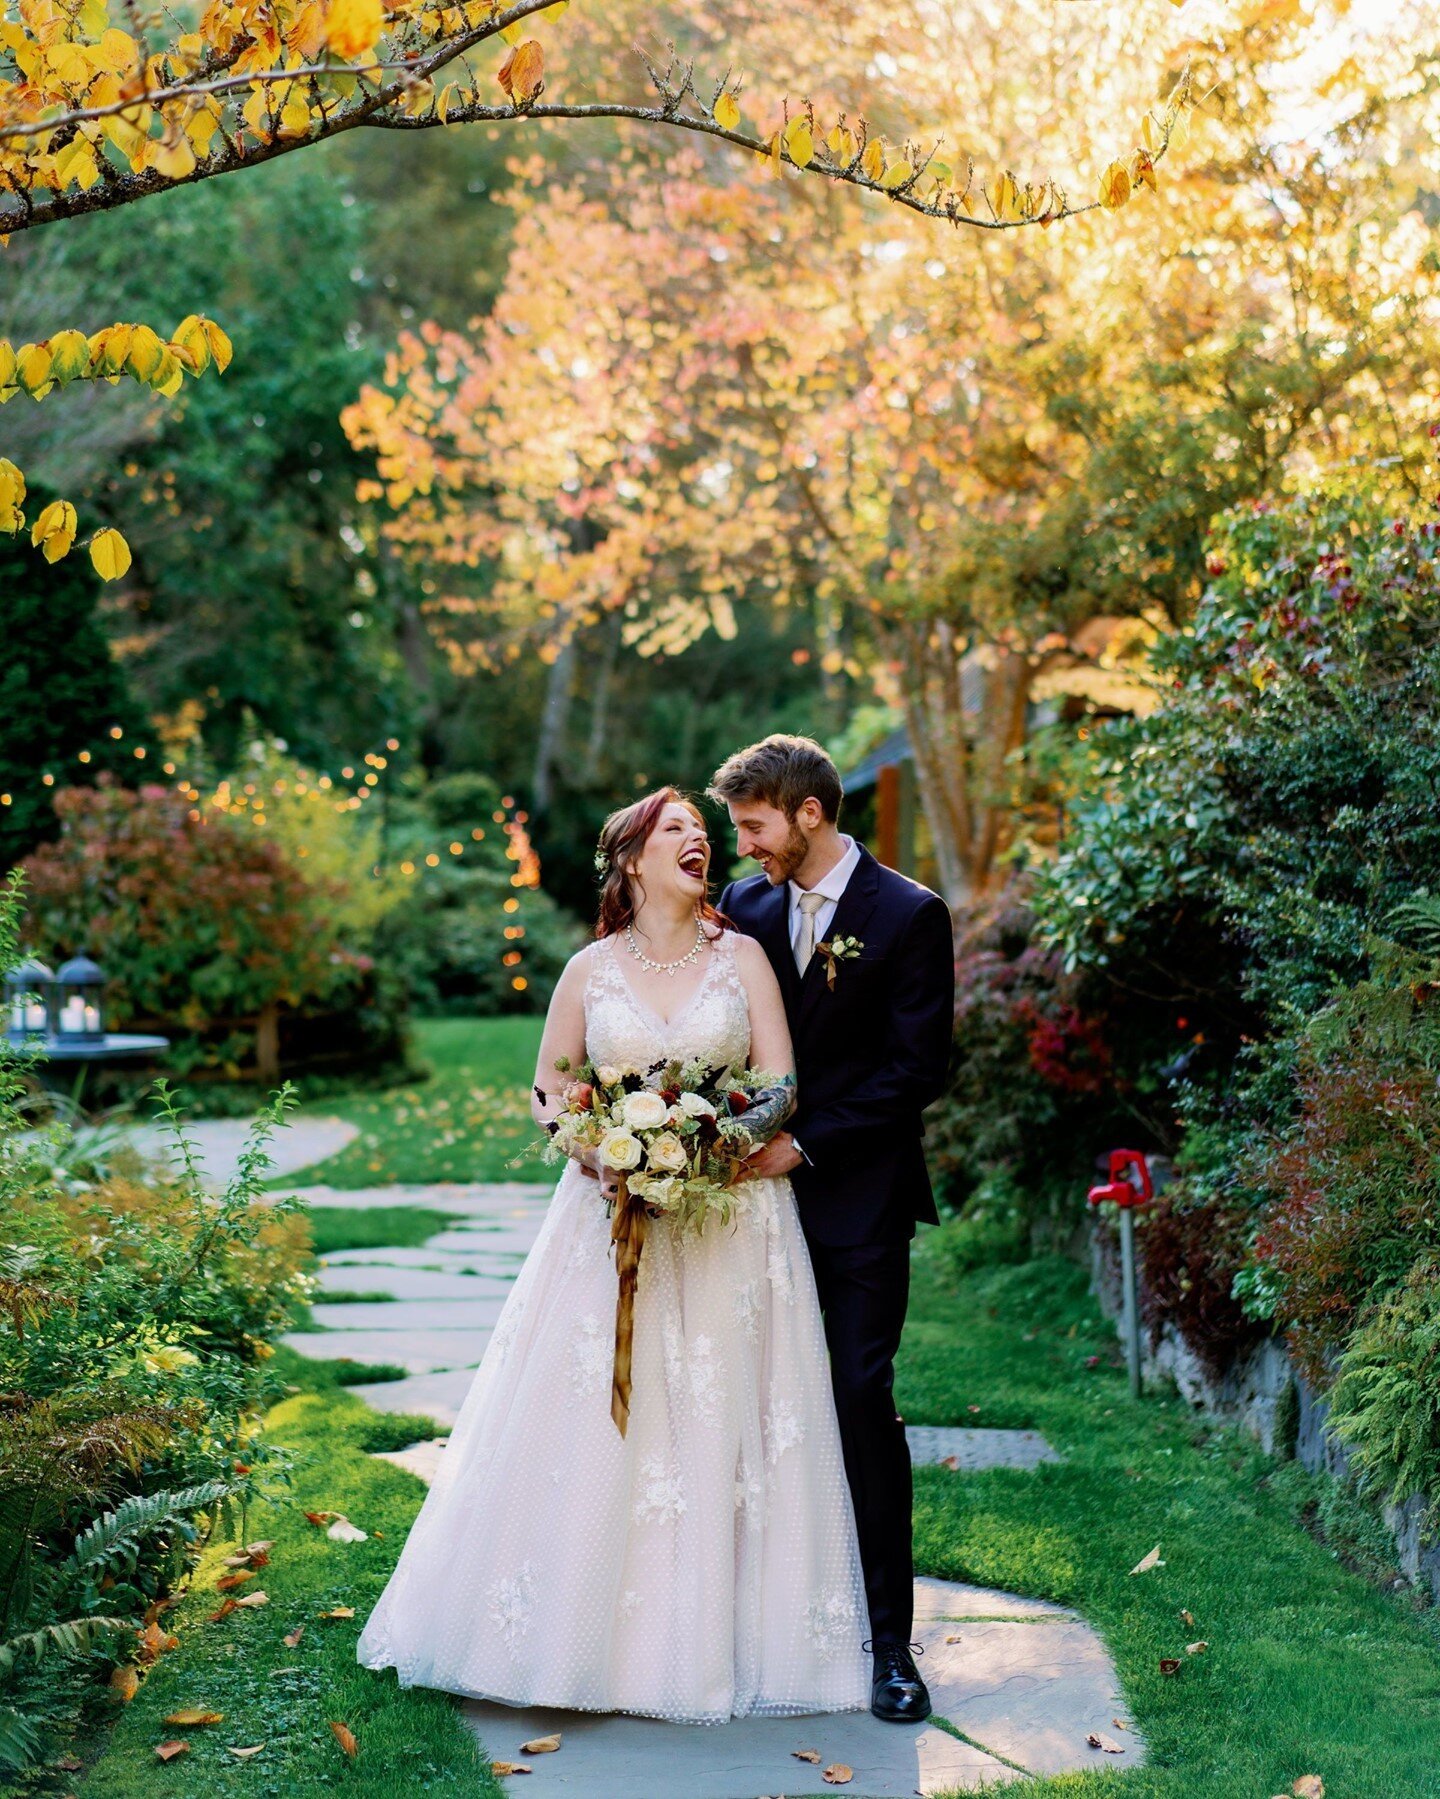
<point>897,1693</point>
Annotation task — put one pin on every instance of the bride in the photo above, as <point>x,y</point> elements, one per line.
<point>705,1565</point>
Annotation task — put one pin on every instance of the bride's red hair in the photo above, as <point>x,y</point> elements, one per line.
<point>623,838</point>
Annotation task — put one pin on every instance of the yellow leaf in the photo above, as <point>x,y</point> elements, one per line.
<point>117,51</point>
<point>125,1683</point>
<point>1142,171</point>
<point>294,115</point>
<point>12,486</point>
<point>7,365</point>
<point>189,338</point>
<point>772,152</point>
<point>727,112</point>
<point>443,104</point>
<point>353,27</point>
<point>1114,187</point>
<point>840,143</point>
<point>800,143</point>
<point>172,155</point>
<point>109,348</point>
<point>32,367</point>
<point>190,1718</point>
<point>541,1745</point>
<point>525,69</point>
<point>69,355</point>
<point>146,353</point>
<point>873,161</point>
<point>897,174</point>
<point>54,530</point>
<point>219,345</point>
<point>418,97</point>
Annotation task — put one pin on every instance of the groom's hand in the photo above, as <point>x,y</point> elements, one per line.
<point>774,1158</point>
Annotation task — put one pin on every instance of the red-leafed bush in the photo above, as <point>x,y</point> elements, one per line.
<point>1192,1253</point>
<point>1356,1199</point>
<point>199,921</point>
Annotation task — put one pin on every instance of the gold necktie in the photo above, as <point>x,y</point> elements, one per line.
<point>810,904</point>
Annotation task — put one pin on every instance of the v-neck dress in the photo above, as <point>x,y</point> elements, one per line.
<point>703,1567</point>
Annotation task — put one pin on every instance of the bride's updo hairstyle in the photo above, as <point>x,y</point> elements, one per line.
<point>622,841</point>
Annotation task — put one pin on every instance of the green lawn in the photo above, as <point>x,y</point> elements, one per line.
<point>466,1123</point>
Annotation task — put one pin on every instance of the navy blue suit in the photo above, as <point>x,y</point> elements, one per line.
<point>870,1054</point>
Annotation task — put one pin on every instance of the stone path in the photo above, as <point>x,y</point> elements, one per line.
<point>1018,1684</point>
<point>217,1143</point>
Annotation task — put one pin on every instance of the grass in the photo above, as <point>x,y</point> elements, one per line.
<point>286,1698</point>
<point>466,1123</point>
<point>1309,1669</point>
<point>333,1228</point>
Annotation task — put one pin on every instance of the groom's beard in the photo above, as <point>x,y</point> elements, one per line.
<point>784,861</point>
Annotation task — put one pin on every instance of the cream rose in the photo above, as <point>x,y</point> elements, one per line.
<point>660,1192</point>
<point>618,1149</point>
<point>608,1076</point>
<point>668,1152</point>
<point>694,1105</point>
<point>644,1111</point>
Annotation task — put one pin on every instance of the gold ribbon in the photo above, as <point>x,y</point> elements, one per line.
<point>627,1233</point>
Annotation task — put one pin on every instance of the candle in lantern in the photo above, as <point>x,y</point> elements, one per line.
<point>72,1014</point>
<point>92,1018</point>
<point>34,1016</point>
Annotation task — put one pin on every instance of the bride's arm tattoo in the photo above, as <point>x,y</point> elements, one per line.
<point>768,1110</point>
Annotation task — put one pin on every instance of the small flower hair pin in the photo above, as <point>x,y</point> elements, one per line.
<point>602,860</point>
<point>835,951</point>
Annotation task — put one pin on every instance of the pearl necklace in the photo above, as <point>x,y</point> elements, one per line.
<point>666,967</point>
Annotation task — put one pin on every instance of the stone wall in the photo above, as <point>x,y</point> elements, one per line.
<point>1265,1394</point>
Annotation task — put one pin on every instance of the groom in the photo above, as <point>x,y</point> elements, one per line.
<point>866,962</point>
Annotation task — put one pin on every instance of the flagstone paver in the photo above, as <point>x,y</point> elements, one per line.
<point>216,1143</point>
<point>1026,1682</point>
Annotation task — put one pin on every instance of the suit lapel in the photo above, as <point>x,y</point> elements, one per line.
<point>773,931</point>
<point>852,913</point>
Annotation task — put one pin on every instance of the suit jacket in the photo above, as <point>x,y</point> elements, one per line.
<point>870,1053</point>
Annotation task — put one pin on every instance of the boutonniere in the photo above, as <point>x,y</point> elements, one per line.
<point>835,951</point>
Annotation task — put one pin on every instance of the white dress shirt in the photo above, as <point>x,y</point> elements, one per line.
<point>830,888</point>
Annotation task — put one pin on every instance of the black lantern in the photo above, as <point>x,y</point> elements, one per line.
<point>79,1011</point>
<point>29,991</point>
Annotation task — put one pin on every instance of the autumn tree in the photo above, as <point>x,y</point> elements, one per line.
<point>955,459</point>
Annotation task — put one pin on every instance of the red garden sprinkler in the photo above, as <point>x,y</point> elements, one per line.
<point>1128,1188</point>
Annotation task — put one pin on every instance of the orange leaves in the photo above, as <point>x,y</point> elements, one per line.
<point>353,27</point>
<point>345,1737</point>
<point>522,74</point>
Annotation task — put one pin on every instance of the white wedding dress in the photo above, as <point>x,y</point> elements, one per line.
<point>704,1566</point>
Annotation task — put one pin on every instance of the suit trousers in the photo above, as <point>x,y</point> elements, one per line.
<point>864,1290</point>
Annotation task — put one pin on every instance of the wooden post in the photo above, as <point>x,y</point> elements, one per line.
<point>887,815</point>
<point>267,1043</point>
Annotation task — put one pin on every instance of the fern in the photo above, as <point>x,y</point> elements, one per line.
<point>1417,921</point>
<point>68,1638</point>
<point>115,1534</point>
<point>19,1739</point>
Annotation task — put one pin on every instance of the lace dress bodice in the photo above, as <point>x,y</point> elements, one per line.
<point>713,1024</point>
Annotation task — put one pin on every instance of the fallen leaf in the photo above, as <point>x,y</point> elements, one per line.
<point>168,1751</point>
<point>344,1736</point>
<point>253,1599</point>
<point>807,1755</point>
<point>1196,1648</point>
<point>952,1639</point>
<point>837,1774</point>
<point>186,1719</point>
<point>541,1745</point>
<point>343,1531</point>
<point>237,1561</point>
<point>230,1581</point>
<point>321,1518</point>
<point>69,1764</point>
<point>952,1462</point>
<point>1169,1664</point>
<point>261,1547</point>
<point>1098,1740</point>
<point>1188,1618</point>
<point>340,1611</point>
<point>126,1683</point>
<point>245,1754</point>
<point>230,1605</point>
<point>292,1637</point>
<point>1120,1723</point>
<point>1147,1562</point>
<point>157,1607</point>
<point>154,1643</point>
<point>1309,1786</point>
<point>501,1769</point>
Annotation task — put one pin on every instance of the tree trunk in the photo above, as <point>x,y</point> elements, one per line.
<point>559,691</point>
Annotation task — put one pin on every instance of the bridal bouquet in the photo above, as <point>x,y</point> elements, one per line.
<point>676,1134</point>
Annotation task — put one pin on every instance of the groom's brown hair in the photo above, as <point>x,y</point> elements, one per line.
<point>780,771</point>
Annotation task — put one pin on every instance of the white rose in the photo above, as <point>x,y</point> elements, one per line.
<point>618,1149</point>
<point>660,1192</point>
<point>644,1111</point>
<point>668,1152</point>
<point>608,1076</point>
<point>695,1106</point>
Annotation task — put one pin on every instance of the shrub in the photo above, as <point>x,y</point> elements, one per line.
<point>135,1322</point>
